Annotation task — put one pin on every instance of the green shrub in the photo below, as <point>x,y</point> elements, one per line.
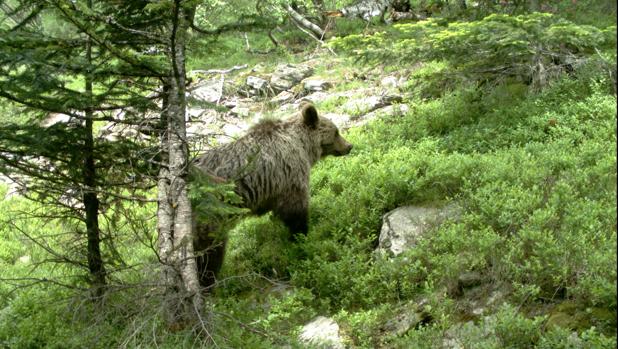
<point>532,48</point>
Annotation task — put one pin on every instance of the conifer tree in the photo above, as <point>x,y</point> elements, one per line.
<point>114,56</point>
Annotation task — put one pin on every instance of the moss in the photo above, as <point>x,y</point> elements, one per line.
<point>573,316</point>
<point>604,319</point>
<point>562,319</point>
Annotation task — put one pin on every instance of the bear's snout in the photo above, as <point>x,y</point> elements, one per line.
<point>348,149</point>
<point>345,149</point>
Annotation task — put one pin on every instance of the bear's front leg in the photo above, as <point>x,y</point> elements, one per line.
<point>294,212</point>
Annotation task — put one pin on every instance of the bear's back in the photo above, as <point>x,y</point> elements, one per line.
<point>265,164</point>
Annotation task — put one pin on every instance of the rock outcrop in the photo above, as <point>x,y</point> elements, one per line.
<point>403,227</point>
<point>322,332</point>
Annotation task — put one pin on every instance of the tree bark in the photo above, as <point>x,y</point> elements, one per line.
<point>305,23</point>
<point>90,198</point>
<point>184,299</point>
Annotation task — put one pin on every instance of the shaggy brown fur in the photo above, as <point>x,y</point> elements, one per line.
<point>270,166</point>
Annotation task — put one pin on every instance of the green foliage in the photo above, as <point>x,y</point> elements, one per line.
<point>289,309</point>
<point>48,324</point>
<point>538,196</point>
<point>331,269</point>
<point>213,202</point>
<point>229,50</point>
<point>260,245</point>
<point>599,13</point>
<point>534,173</point>
<point>363,326</point>
<point>507,328</point>
<point>12,245</point>
<point>532,48</point>
<point>431,80</point>
<point>559,338</point>
<point>514,330</point>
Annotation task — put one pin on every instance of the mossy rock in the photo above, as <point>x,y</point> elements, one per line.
<point>573,316</point>
<point>562,319</point>
<point>567,315</point>
<point>604,319</point>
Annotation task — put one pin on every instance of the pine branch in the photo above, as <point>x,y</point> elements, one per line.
<point>30,18</point>
<point>71,13</point>
<point>235,27</point>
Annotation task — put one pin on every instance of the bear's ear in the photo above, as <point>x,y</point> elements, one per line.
<point>310,115</point>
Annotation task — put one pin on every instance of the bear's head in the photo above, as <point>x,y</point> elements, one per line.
<point>331,141</point>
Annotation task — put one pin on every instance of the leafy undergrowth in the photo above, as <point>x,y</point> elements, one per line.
<point>534,173</point>
<point>536,176</point>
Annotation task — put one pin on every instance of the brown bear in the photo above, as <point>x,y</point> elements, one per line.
<point>270,167</point>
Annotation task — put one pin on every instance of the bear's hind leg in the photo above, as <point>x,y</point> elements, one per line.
<point>210,252</point>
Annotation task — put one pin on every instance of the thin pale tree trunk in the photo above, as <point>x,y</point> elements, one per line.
<point>305,23</point>
<point>174,212</point>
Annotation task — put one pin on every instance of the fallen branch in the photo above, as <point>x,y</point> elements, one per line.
<point>305,23</point>
<point>259,52</point>
<point>319,40</point>
<point>235,27</point>
<point>304,30</point>
<point>272,38</point>
<point>220,71</point>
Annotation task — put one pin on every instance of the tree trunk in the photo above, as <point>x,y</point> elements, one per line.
<point>174,212</point>
<point>90,198</point>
